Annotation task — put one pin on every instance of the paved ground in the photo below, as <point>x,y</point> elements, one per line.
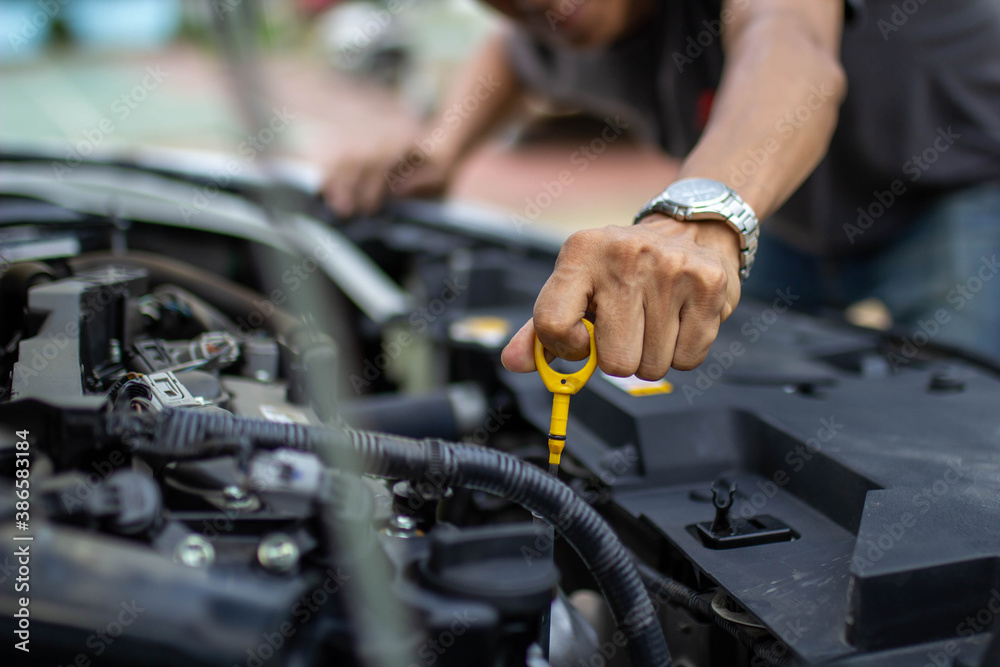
<point>181,98</point>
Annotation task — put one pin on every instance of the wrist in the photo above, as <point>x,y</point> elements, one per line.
<point>706,201</point>
<point>716,234</point>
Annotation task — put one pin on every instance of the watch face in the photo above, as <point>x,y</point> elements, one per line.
<point>696,192</point>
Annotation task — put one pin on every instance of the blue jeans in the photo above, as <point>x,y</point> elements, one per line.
<point>944,267</point>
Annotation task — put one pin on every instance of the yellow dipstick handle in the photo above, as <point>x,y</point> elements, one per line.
<point>562,387</point>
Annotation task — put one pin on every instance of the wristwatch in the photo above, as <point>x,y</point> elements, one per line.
<point>705,199</point>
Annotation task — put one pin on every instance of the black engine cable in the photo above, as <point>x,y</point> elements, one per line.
<point>180,432</point>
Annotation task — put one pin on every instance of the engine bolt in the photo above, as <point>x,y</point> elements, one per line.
<point>403,525</point>
<point>194,551</point>
<point>278,552</point>
<point>236,498</point>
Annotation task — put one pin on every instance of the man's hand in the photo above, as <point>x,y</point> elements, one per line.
<point>658,290</point>
<point>360,180</point>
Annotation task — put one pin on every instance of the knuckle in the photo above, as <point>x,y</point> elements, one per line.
<point>671,263</point>
<point>341,163</point>
<point>651,371</point>
<point>655,361</point>
<point>583,241</point>
<point>547,324</point>
<point>617,364</point>
<point>713,301</point>
<point>349,163</point>
<point>713,279</point>
<point>686,360</point>
<point>347,180</point>
<point>632,251</point>
<point>691,355</point>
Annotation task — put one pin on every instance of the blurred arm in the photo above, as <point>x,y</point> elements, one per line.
<point>483,96</point>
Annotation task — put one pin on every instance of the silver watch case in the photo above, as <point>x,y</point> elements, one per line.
<point>704,199</point>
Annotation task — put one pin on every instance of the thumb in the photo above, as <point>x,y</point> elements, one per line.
<point>519,355</point>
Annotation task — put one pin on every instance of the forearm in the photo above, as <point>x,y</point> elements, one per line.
<point>483,96</point>
<point>776,107</point>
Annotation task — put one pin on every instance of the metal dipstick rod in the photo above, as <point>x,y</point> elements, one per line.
<point>562,387</point>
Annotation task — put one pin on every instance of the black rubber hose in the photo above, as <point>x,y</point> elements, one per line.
<point>770,650</point>
<point>234,300</point>
<point>450,464</point>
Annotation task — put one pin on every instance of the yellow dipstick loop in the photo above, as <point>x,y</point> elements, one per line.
<point>562,387</point>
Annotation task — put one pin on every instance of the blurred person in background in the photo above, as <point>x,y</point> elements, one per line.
<point>867,137</point>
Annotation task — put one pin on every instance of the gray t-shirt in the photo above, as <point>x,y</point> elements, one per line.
<point>921,117</point>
